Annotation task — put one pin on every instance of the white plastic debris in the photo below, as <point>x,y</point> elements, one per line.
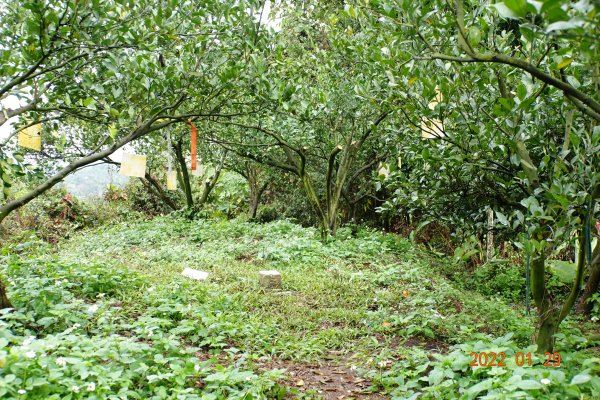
<point>195,274</point>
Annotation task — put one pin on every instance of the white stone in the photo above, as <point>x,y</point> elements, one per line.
<point>195,274</point>
<point>269,279</point>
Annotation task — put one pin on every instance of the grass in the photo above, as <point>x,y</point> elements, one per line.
<point>373,300</point>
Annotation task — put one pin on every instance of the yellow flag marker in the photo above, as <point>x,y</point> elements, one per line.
<point>172,180</point>
<point>31,137</point>
<point>133,165</point>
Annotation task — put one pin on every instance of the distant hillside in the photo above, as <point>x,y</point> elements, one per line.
<point>92,181</point>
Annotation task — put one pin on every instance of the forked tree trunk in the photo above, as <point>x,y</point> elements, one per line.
<point>550,313</point>
<point>184,175</point>
<point>314,201</point>
<point>253,175</point>
<point>548,327</point>
<point>255,196</point>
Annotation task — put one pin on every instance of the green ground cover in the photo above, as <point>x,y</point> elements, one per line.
<point>108,315</point>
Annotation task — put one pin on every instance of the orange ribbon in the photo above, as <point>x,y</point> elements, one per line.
<point>193,140</point>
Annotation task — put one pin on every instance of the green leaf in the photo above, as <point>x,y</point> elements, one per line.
<point>504,11</point>
<point>565,271</point>
<point>581,378</point>
<point>565,62</point>
<point>573,81</point>
<point>351,11</point>
<point>519,7</point>
<point>112,131</point>
<point>529,384</point>
<point>480,387</point>
<point>506,103</point>
<point>501,218</point>
<point>535,6</point>
<point>474,35</point>
<point>89,102</point>
<point>521,92</point>
<point>425,153</point>
<point>565,25</point>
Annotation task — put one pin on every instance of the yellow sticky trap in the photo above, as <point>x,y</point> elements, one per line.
<point>384,170</point>
<point>172,180</point>
<point>438,99</point>
<point>432,129</point>
<point>31,137</point>
<point>133,165</point>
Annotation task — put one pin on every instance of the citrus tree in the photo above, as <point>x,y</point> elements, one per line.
<point>507,96</point>
<point>310,122</point>
<point>114,73</point>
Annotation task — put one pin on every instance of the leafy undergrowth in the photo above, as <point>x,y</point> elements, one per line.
<point>108,315</point>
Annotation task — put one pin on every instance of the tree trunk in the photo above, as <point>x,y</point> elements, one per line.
<point>550,313</point>
<point>253,207</point>
<point>313,199</point>
<point>548,327</point>
<point>255,196</point>
<point>592,285</point>
<point>332,217</point>
<point>253,175</point>
<point>187,187</point>
<point>336,180</point>
<point>4,302</point>
<point>163,195</point>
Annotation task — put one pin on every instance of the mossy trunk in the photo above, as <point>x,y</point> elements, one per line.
<point>256,190</point>
<point>255,196</point>
<point>548,327</point>
<point>4,302</point>
<point>551,314</point>
<point>313,199</point>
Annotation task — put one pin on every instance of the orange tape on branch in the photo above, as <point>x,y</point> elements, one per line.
<point>193,140</point>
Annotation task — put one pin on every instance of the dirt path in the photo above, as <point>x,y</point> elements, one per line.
<point>329,381</point>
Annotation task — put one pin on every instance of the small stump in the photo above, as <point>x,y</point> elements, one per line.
<point>269,279</point>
